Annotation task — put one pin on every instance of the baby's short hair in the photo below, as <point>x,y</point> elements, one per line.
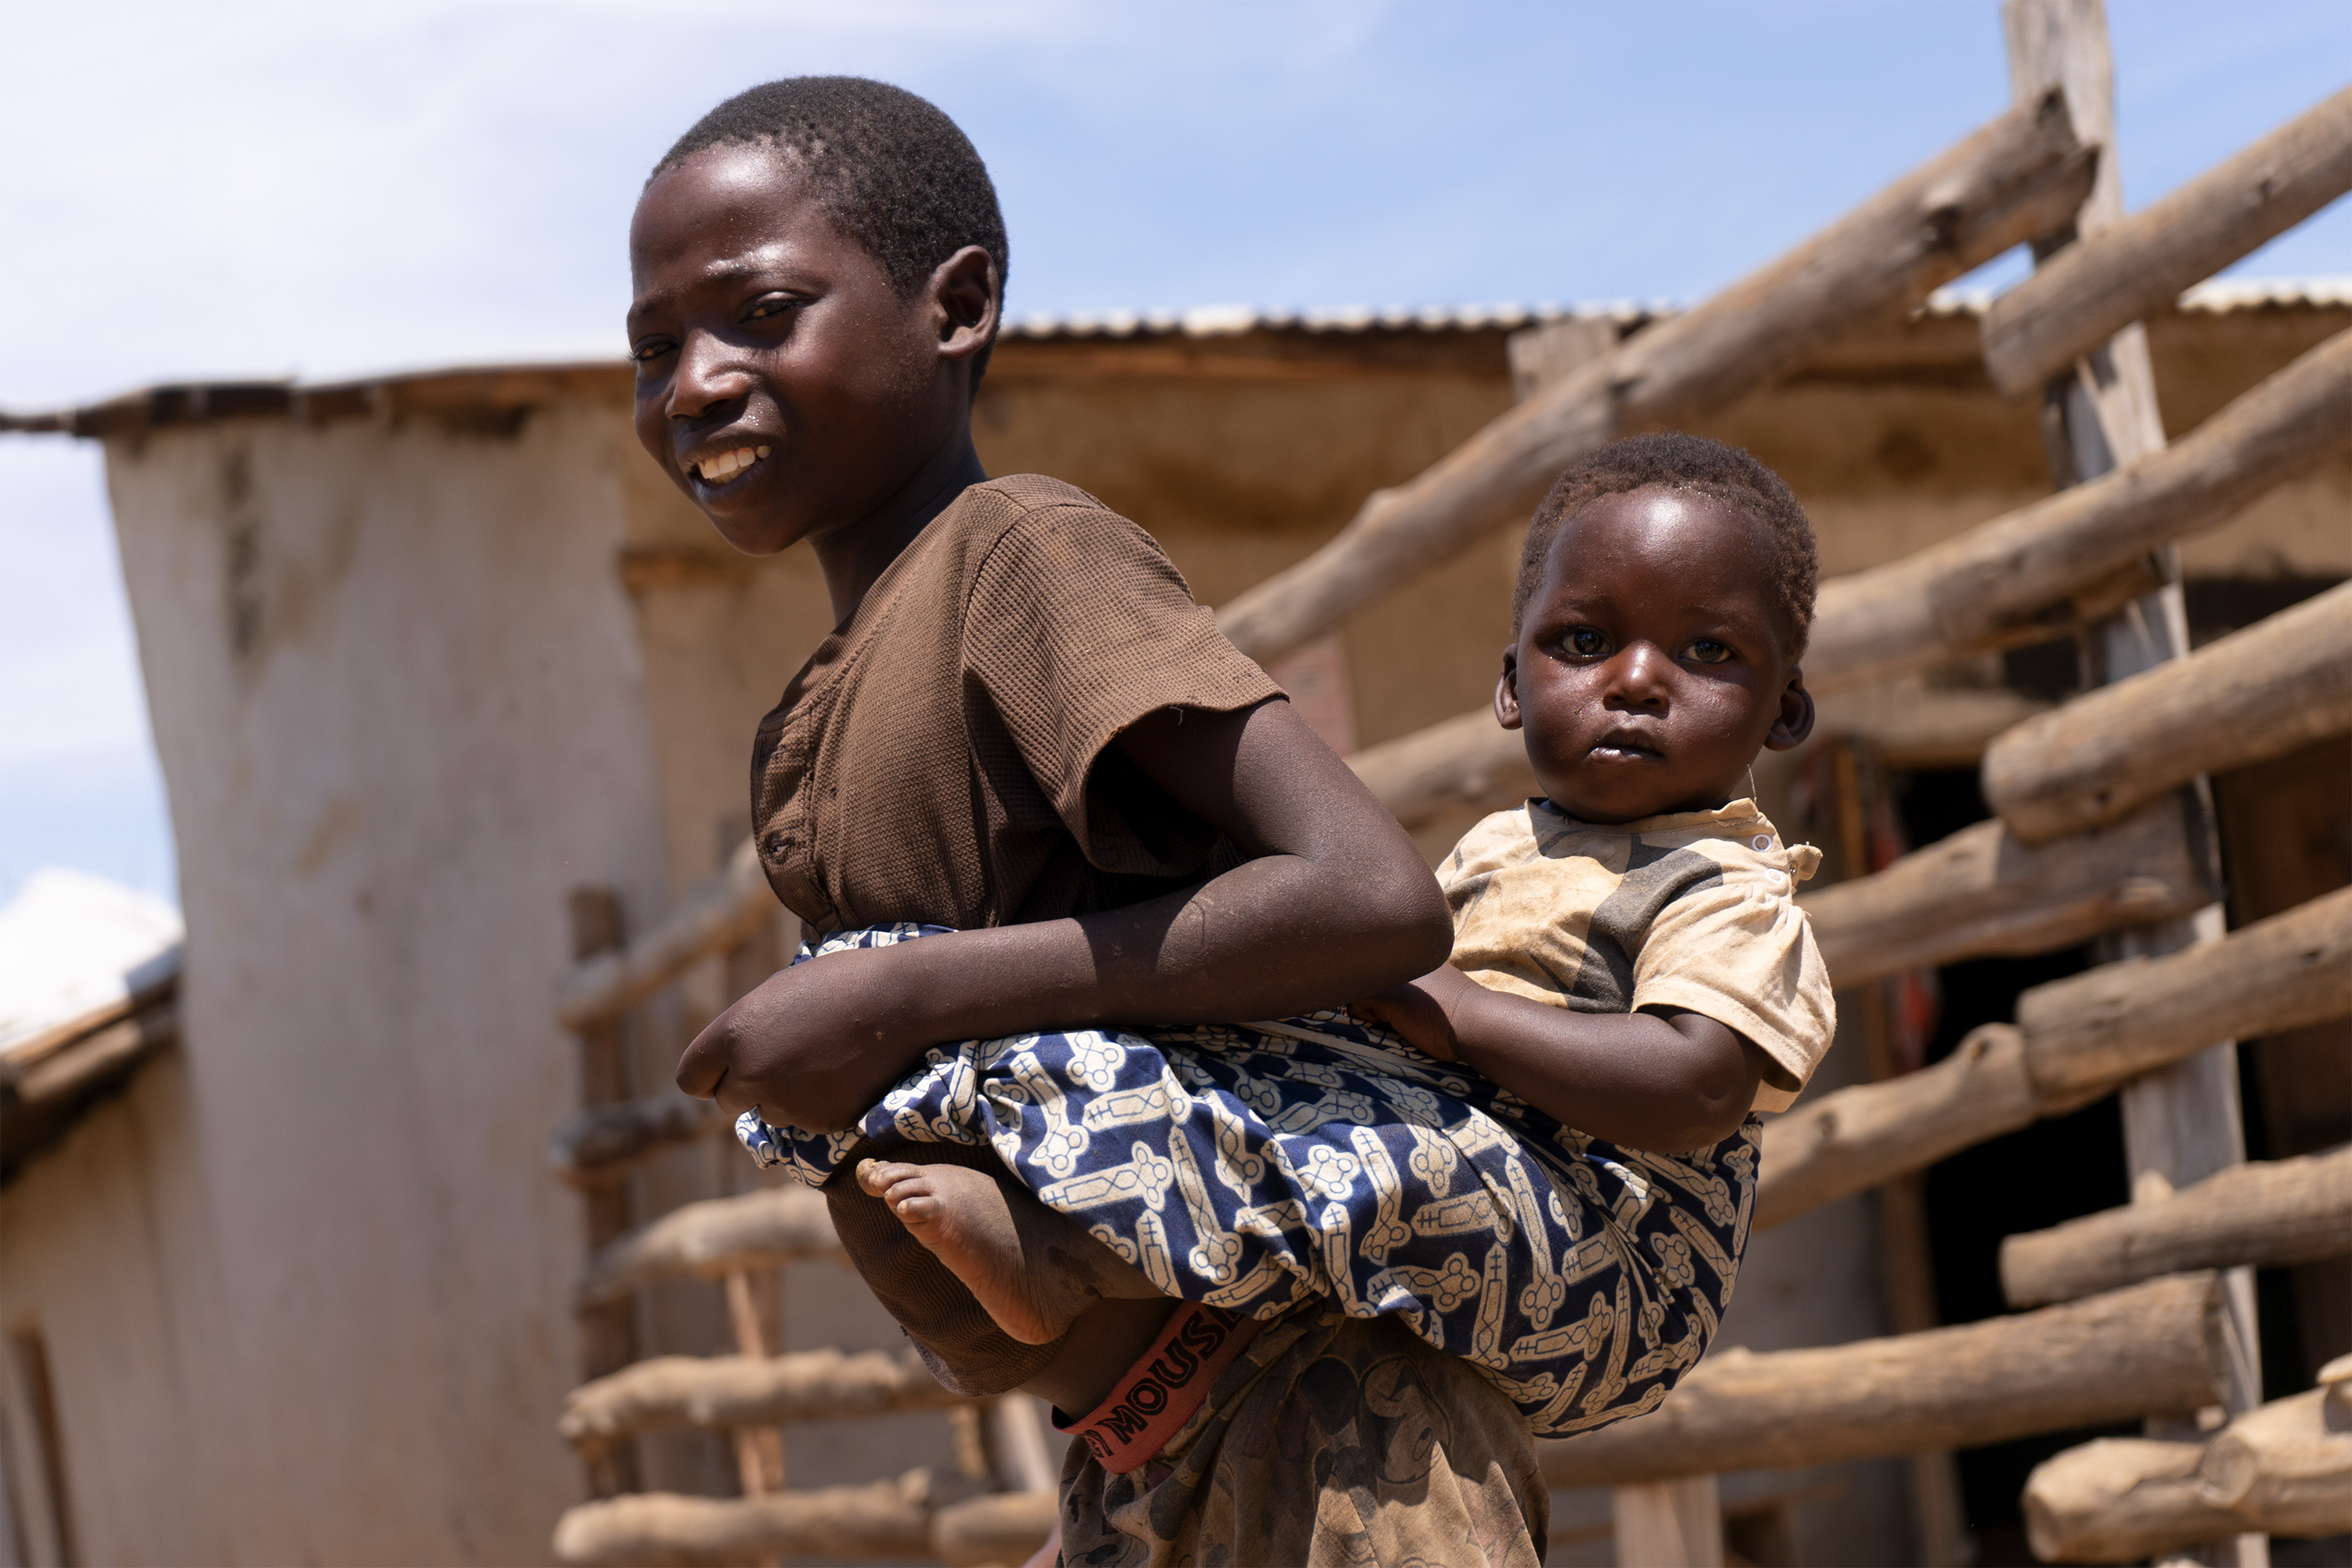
<point>1685,462</point>
<point>893,171</point>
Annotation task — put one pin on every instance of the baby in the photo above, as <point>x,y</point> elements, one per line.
<point>1541,1156</point>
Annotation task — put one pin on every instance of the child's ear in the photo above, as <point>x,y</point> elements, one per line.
<point>966,294</point>
<point>1796,719</point>
<point>1507,691</point>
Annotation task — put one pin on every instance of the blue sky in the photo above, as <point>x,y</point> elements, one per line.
<point>274,188</point>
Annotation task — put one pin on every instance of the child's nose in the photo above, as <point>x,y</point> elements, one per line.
<point>706,377</point>
<point>1637,678</point>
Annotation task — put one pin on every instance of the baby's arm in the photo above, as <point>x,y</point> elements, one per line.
<point>1664,1081</point>
<point>1333,901</point>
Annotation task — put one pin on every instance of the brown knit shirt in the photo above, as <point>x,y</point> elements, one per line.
<point>946,757</point>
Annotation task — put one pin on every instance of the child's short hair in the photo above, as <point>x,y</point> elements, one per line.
<point>1685,462</point>
<point>894,172</point>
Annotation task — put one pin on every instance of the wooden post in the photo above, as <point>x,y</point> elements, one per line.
<point>608,1332</point>
<point>2183,1123</point>
<point>1669,1524</point>
<point>1907,1253</point>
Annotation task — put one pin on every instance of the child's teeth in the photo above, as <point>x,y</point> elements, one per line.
<point>762,452</point>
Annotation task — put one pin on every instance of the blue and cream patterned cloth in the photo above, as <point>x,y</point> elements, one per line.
<point>1256,1167</point>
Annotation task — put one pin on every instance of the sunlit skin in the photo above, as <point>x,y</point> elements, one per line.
<point>1649,671</point>
<point>756,322</point>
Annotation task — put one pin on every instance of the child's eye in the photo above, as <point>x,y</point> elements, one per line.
<point>650,348</point>
<point>1706,650</point>
<point>1586,643</point>
<point>771,306</point>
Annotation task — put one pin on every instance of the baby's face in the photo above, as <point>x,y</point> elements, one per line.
<point>766,337</point>
<point>1650,668</point>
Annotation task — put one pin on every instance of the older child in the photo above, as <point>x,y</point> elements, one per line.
<point>1022,727</point>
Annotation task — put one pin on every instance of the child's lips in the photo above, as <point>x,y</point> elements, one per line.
<point>1624,749</point>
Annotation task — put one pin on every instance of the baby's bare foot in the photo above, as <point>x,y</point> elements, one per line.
<point>1032,1270</point>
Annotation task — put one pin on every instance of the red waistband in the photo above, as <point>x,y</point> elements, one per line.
<point>1160,1392</point>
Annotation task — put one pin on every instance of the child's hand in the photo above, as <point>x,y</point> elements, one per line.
<point>812,1045</point>
<point>1421,1010</point>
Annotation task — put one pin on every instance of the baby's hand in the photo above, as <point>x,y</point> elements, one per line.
<point>1420,1010</point>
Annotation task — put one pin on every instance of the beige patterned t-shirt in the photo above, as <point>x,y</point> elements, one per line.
<point>1693,911</point>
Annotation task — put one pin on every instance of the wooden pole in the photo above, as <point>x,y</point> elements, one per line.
<point>885,1519</point>
<point>1979,892</point>
<point>2285,1468</point>
<point>2182,1123</point>
<point>2017,177</point>
<point>725,1392</point>
<point>2114,1357</point>
<point>601,1144</point>
<point>2077,1040</point>
<point>2142,1014</point>
<point>2080,555</point>
<point>608,1332</point>
<point>762,1229</point>
<point>2256,694</point>
<point>718,913</point>
<point>2135,266</point>
<point>2264,1216</point>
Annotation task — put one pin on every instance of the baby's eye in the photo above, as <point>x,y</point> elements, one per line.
<point>1586,643</point>
<point>1706,650</point>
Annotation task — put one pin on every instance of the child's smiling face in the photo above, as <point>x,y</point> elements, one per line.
<point>1652,665</point>
<point>782,384</point>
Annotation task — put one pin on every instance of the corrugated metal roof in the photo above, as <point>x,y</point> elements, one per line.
<point>1232,320</point>
<point>452,390</point>
<point>2215,298</point>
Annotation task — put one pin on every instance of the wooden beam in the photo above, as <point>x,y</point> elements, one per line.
<point>2021,175</point>
<point>603,1143</point>
<point>764,1229</point>
<point>1981,892</point>
<point>999,1527</point>
<point>2264,1216</point>
<point>2088,291</point>
<point>2076,1040</point>
<point>2034,573</point>
<point>1834,1145</point>
<point>719,912</point>
<point>2114,1357</point>
<point>2285,1470</point>
<point>2092,1031</point>
<point>727,1391</point>
<point>2256,694</point>
<point>886,1519</point>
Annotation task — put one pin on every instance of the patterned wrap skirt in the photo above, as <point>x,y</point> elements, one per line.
<point>1257,1167</point>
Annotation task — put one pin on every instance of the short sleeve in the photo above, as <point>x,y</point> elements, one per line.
<point>1077,627</point>
<point>1737,949</point>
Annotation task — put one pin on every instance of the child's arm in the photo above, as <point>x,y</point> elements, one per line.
<point>1334,901</point>
<point>1664,1081</point>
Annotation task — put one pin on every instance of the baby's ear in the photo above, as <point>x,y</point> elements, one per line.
<point>1507,691</point>
<point>1796,720</point>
